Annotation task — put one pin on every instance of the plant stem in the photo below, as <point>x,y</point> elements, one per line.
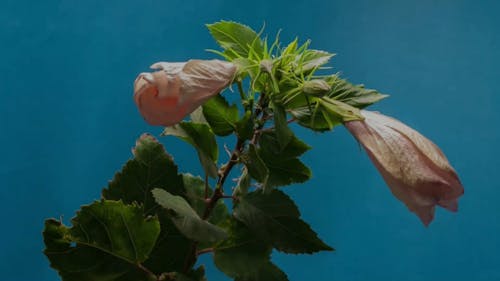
<point>212,201</point>
<point>204,251</point>
<point>224,173</point>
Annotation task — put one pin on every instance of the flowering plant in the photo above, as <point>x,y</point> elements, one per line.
<point>153,222</point>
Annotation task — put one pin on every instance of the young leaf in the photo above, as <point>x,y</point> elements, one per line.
<point>245,126</point>
<point>201,137</point>
<point>274,218</point>
<point>236,39</point>
<point>150,168</point>
<point>312,59</point>
<point>255,166</point>
<point>354,95</point>
<point>283,165</point>
<point>221,117</point>
<point>283,133</point>
<point>197,116</point>
<point>244,257</point>
<point>187,220</point>
<point>107,241</point>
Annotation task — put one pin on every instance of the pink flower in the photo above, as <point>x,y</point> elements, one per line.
<point>166,96</point>
<point>414,168</point>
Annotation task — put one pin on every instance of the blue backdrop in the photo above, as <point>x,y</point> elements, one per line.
<point>68,122</point>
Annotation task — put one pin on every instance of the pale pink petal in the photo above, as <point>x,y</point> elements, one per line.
<point>166,96</point>
<point>414,168</point>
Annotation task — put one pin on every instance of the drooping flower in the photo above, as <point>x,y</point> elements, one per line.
<point>414,168</point>
<point>166,96</point>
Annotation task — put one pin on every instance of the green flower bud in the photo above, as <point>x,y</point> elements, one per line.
<point>316,87</point>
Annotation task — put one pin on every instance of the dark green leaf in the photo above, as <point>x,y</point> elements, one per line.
<point>171,249</point>
<point>107,241</point>
<point>221,117</point>
<point>202,138</point>
<point>245,126</point>
<point>243,183</point>
<point>256,167</point>
<point>268,272</point>
<point>283,133</point>
<point>195,191</point>
<point>274,218</point>
<point>354,95</point>
<point>283,166</point>
<point>186,219</point>
<point>236,39</point>
<point>150,168</point>
<point>192,275</point>
<point>244,257</point>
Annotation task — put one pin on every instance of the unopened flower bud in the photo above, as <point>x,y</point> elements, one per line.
<point>316,87</point>
<point>166,96</point>
<point>414,168</point>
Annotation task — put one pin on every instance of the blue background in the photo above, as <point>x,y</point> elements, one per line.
<point>68,122</point>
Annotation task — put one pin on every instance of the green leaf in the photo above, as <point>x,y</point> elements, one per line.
<point>268,272</point>
<point>193,275</point>
<point>221,117</point>
<point>283,133</point>
<point>354,95</point>
<point>283,165</point>
<point>197,116</point>
<point>172,247</point>
<point>243,183</point>
<point>274,218</point>
<point>202,138</point>
<point>256,167</point>
<point>310,60</point>
<point>245,126</point>
<point>107,241</point>
<point>186,219</point>
<point>150,168</point>
<point>236,39</point>
<point>195,192</point>
<point>244,257</point>
<point>325,114</point>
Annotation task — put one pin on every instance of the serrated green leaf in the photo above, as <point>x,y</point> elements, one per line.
<point>256,167</point>
<point>354,95</point>
<point>283,165</point>
<point>195,192</point>
<point>221,117</point>
<point>243,183</point>
<point>236,39</point>
<point>310,60</point>
<point>274,218</point>
<point>171,249</point>
<point>283,133</point>
<point>186,219</point>
<point>245,126</point>
<point>150,168</point>
<point>244,257</point>
<point>107,241</point>
<point>268,272</point>
<point>202,138</point>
